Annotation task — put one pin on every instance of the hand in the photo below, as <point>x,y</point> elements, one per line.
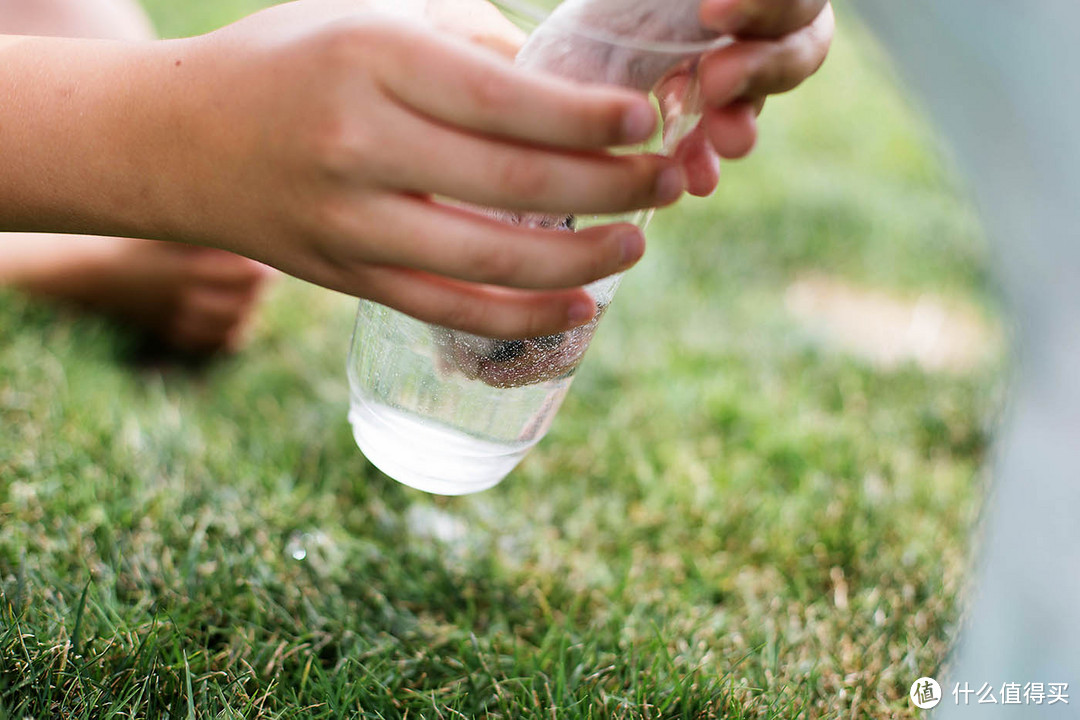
<point>779,44</point>
<point>315,141</point>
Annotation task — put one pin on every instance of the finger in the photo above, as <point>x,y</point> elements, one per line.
<point>479,309</point>
<point>754,68</point>
<point>422,157</point>
<point>466,87</point>
<point>700,162</point>
<point>470,246</point>
<point>760,18</point>
<point>732,130</point>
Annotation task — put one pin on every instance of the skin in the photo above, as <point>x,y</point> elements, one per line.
<point>780,44</point>
<point>313,137</point>
<point>196,300</point>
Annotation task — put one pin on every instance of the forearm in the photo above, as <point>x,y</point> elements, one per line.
<point>83,133</point>
<point>312,137</point>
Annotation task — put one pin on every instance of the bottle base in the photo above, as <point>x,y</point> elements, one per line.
<point>428,457</point>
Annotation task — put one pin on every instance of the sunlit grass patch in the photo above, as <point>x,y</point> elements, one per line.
<point>729,519</point>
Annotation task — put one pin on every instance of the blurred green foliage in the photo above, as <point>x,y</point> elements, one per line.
<point>728,519</point>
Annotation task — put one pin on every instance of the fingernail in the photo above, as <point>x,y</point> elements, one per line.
<point>670,185</point>
<point>580,312</point>
<point>631,248</point>
<point>639,123</point>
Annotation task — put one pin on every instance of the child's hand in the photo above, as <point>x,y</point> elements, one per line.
<point>779,44</point>
<point>315,142</point>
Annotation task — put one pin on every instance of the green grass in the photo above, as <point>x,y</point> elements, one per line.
<point>726,521</point>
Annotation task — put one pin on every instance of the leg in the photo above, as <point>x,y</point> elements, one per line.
<point>192,298</point>
<point>117,19</point>
<point>195,299</point>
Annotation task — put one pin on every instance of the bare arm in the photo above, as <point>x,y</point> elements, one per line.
<point>315,145</point>
<point>77,158</point>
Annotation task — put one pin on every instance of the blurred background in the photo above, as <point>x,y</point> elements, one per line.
<point>756,503</point>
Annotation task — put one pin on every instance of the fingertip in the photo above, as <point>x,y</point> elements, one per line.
<point>704,174</point>
<point>733,130</point>
<point>739,147</point>
<point>700,163</point>
<point>631,246</point>
<point>638,122</point>
<point>580,311</point>
<point>670,185</point>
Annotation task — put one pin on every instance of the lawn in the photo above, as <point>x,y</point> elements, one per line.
<point>729,519</point>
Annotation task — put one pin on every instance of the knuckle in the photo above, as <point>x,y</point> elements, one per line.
<point>341,147</point>
<point>339,235</point>
<point>331,217</point>
<point>351,38</point>
<point>333,146</point>
<point>337,139</point>
<point>338,48</point>
<point>343,226</point>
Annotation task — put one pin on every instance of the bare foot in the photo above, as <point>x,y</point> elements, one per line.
<point>194,299</point>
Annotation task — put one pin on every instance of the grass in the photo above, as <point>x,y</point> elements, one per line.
<point>728,520</point>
